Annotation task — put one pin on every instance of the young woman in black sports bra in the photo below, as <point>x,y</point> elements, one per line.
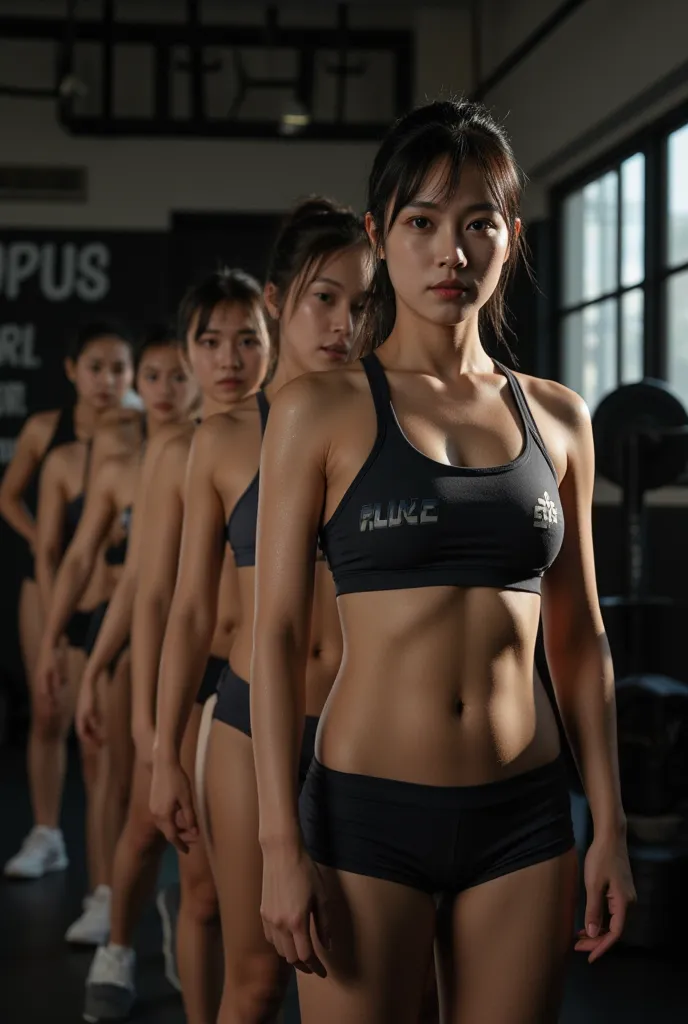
<point>167,393</point>
<point>56,445</point>
<point>227,348</point>
<point>452,499</point>
<point>316,285</point>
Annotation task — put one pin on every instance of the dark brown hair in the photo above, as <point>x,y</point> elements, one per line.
<point>225,285</point>
<point>455,131</point>
<point>314,230</point>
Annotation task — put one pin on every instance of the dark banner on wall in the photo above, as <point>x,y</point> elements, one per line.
<point>52,281</point>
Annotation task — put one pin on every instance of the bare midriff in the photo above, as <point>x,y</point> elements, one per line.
<point>437,686</point>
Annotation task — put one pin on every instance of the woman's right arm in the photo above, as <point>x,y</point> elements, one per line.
<point>189,631</point>
<point>157,574</point>
<point>31,444</point>
<point>113,634</point>
<point>292,493</point>
<point>76,567</point>
<point>50,519</point>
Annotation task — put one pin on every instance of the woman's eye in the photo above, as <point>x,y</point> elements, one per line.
<point>420,222</point>
<point>481,225</point>
<point>323,296</point>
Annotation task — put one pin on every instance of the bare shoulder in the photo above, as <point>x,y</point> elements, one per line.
<point>171,465</point>
<point>113,468</point>
<point>561,403</point>
<point>166,435</point>
<point>319,397</point>
<point>61,460</point>
<point>40,428</point>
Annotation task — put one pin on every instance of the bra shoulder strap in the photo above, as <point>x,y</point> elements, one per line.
<point>263,408</point>
<point>379,388</point>
<point>524,409</point>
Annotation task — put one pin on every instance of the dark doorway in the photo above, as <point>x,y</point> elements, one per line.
<point>202,242</point>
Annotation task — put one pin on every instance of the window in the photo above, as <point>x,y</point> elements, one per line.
<point>676,294</point>
<point>622,307</point>
<point>603,275</point>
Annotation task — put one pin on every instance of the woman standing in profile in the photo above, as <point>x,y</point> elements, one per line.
<point>452,499</point>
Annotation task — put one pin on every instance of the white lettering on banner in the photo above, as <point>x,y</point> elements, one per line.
<point>17,346</point>
<point>64,270</point>
<point>7,446</point>
<point>13,400</point>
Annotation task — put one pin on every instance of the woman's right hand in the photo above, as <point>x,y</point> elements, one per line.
<point>293,894</point>
<point>171,804</point>
<point>89,722</point>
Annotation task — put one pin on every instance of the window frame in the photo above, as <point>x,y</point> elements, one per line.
<point>652,142</point>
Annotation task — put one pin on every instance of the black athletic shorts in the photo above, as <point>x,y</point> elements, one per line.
<point>234,708</point>
<point>437,839</point>
<point>211,676</point>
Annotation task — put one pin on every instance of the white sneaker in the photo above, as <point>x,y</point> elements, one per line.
<point>110,984</point>
<point>93,927</point>
<point>43,850</point>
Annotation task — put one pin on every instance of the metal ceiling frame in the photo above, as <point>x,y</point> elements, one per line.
<point>197,37</point>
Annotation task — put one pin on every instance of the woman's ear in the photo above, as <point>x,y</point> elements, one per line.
<point>518,224</point>
<point>70,370</point>
<point>271,300</point>
<point>373,235</point>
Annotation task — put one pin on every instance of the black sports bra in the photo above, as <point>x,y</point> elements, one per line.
<point>408,521</point>
<point>241,525</point>
<point>75,507</point>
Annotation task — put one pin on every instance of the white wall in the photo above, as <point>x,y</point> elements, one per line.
<point>601,57</point>
<point>137,183</point>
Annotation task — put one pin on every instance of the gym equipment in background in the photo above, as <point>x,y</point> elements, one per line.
<point>641,443</point>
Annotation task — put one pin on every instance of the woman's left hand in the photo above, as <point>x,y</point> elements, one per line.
<point>607,877</point>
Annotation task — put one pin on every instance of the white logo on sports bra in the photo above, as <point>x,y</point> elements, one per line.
<point>544,513</point>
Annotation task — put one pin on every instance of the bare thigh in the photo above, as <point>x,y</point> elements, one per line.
<point>117,708</point>
<point>232,802</point>
<point>382,947</point>
<point>517,928</point>
<point>30,625</point>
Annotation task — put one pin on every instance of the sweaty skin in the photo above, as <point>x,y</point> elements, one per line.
<point>436,684</point>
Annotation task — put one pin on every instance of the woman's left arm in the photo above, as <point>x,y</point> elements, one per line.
<point>583,678</point>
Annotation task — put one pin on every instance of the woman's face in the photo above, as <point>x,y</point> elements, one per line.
<point>230,359</point>
<point>103,373</point>
<point>318,332</point>
<point>166,389</point>
<point>445,255</point>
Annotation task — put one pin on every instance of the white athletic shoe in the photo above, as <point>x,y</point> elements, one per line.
<point>110,991</point>
<point>93,927</point>
<point>43,850</point>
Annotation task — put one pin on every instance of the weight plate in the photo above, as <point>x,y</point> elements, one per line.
<point>646,408</point>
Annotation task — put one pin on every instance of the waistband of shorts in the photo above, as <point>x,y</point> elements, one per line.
<point>529,784</point>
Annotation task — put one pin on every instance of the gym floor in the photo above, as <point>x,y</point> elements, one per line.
<point>42,980</point>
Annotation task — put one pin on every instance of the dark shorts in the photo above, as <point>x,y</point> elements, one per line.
<point>96,621</point>
<point>211,677</point>
<point>77,629</point>
<point>234,708</point>
<point>438,839</point>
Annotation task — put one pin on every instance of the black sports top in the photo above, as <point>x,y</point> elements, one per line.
<point>63,434</point>
<point>408,521</point>
<point>75,507</point>
<point>241,525</point>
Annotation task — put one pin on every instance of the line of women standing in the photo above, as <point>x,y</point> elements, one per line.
<point>357,562</point>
